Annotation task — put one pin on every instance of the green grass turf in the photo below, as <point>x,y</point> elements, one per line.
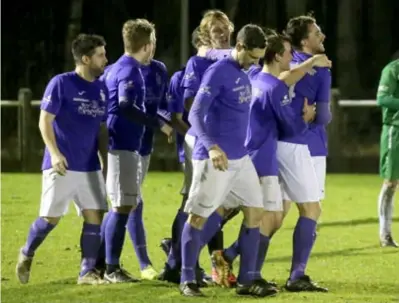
<point>346,258</point>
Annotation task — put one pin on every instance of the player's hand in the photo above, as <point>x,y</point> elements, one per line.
<point>59,163</point>
<point>321,61</point>
<point>167,130</point>
<point>309,111</point>
<point>218,157</point>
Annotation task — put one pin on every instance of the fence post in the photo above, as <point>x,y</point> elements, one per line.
<point>24,125</point>
<point>334,140</point>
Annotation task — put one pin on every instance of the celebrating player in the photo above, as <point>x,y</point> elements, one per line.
<point>270,116</point>
<point>219,116</point>
<point>126,121</point>
<point>300,181</point>
<point>388,99</point>
<point>73,110</point>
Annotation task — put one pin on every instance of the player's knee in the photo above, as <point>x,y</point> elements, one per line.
<point>126,209</point>
<point>196,221</point>
<point>93,216</point>
<point>52,220</point>
<point>271,222</point>
<point>252,216</point>
<point>391,185</point>
<point>310,210</point>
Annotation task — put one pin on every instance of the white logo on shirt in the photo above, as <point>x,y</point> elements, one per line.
<point>256,92</point>
<point>47,99</point>
<point>189,76</point>
<point>286,100</point>
<point>245,95</point>
<point>81,93</point>
<point>383,89</point>
<point>168,97</point>
<point>102,95</point>
<point>238,80</point>
<point>128,85</point>
<point>204,90</point>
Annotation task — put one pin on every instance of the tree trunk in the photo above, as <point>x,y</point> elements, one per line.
<point>74,26</point>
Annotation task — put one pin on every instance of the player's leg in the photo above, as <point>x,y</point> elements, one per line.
<point>301,184</point>
<point>389,170</point>
<point>247,187</point>
<point>135,226</point>
<point>320,167</point>
<point>91,199</point>
<point>208,190</point>
<point>271,220</point>
<point>57,191</point>
<point>171,271</point>
<point>122,188</point>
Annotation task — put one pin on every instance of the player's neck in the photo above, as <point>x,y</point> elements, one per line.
<point>84,73</point>
<point>234,55</point>
<point>307,51</point>
<point>138,57</point>
<point>202,50</point>
<point>272,69</point>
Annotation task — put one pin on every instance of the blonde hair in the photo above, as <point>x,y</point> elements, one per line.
<point>136,34</point>
<point>206,23</point>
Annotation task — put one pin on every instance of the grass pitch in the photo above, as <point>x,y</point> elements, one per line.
<point>346,258</point>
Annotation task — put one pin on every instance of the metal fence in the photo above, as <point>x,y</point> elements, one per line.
<point>353,136</point>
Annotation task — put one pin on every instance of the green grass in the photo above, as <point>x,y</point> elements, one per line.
<point>346,257</point>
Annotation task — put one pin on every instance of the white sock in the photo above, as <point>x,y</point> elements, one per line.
<point>385,209</point>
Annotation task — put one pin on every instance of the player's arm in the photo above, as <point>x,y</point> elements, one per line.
<point>49,108</point>
<point>322,99</point>
<point>291,123</point>
<point>207,92</point>
<point>190,84</point>
<point>131,93</point>
<point>298,72</point>
<point>176,108</point>
<point>387,86</point>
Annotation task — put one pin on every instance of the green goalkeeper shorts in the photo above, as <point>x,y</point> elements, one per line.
<point>389,153</point>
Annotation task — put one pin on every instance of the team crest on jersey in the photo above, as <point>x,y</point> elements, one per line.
<point>286,100</point>
<point>102,95</point>
<point>189,76</point>
<point>205,90</point>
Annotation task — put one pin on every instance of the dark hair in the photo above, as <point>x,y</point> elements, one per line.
<point>298,29</point>
<point>195,38</point>
<point>136,34</point>
<point>395,56</point>
<point>274,45</point>
<point>85,45</point>
<point>252,36</point>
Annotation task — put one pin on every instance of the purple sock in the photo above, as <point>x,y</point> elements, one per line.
<point>101,250</point>
<point>37,233</point>
<point>135,226</point>
<point>262,252</point>
<point>90,241</point>
<point>174,257</point>
<point>303,240</point>
<point>190,247</point>
<point>211,227</point>
<point>232,252</point>
<point>248,243</point>
<point>114,237</point>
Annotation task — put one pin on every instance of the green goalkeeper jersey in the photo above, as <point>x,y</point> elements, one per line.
<point>388,94</point>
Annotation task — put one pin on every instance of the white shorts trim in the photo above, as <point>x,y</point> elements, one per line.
<point>320,167</point>
<point>210,187</point>
<point>123,177</point>
<point>86,189</point>
<point>297,174</point>
<point>271,191</point>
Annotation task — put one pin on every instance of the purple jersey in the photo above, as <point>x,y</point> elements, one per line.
<point>176,105</point>
<point>270,115</point>
<point>218,54</point>
<point>156,80</point>
<point>315,86</point>
<point>79,107</point>
<point>125,84</point>
<point>195,69</point>
<point>219,114</point>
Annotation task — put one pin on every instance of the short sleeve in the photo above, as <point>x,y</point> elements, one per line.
<point>52,100</point>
